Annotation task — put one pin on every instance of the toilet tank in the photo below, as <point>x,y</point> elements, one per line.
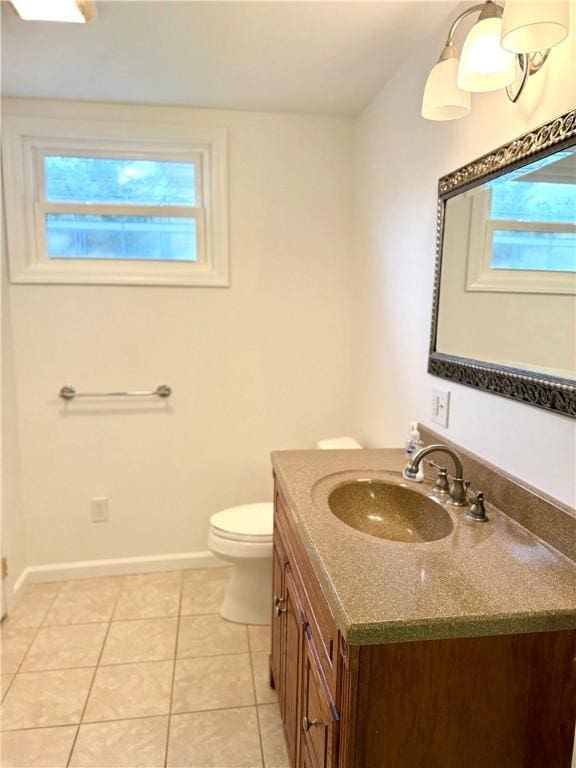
<point>337,443</point>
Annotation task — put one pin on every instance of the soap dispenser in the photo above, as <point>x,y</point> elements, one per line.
<point>413,445</point>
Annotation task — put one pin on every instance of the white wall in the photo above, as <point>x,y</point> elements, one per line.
<point>262,365</point>
<point>399,158</point>
<point>11,512</point>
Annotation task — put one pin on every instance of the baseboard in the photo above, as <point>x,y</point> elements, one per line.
<point>85,569</point>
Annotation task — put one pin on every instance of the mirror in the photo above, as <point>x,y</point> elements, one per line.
<point>504,312</point>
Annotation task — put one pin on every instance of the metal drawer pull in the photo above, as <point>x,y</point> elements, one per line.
<point>279,605</point>
<point>307,724</point>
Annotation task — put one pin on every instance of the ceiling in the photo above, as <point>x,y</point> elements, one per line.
<point>307,57</point>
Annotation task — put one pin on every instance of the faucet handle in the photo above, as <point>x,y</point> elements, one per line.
<point>477,511</point>
<point>459,492</point>
<point>441,486</point>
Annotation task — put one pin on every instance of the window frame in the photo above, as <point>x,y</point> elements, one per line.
<point>26,142</point>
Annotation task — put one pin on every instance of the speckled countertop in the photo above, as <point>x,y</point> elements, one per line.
<point>483,579</point>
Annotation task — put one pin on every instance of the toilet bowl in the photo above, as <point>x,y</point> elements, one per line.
<point>243,536</point>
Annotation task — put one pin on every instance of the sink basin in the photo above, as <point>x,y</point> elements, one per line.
<point>390,511</point>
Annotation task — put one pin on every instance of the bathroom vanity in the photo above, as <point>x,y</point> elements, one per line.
<point>459,650</point>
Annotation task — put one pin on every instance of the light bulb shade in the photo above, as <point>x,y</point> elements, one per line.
<point>442,99</point>
<point>73,11</point>
<point>529,26</point>
<point>484,64</point>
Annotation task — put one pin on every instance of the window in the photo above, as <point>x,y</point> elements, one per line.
<point>120,208</point>
<point>532,216</point>
<point>522,236</point>
<point>106,209</point>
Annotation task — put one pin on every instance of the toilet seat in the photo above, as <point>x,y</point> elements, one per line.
<point>251,523</point>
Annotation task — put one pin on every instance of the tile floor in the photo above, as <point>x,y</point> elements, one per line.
<point>136,671</point>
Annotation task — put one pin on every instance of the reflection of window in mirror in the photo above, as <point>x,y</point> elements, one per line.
<point>534,209</point>
<point>522,233</point>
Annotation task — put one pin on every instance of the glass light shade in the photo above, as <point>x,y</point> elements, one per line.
<point>484,64</point>
<point>442,99</point>
<point>529,26</point>
<point>49,10</point>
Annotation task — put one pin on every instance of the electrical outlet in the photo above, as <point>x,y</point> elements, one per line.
<point>440,406</point>
<point>99,507</point>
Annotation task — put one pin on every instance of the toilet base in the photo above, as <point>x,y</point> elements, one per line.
<point>248,597</point>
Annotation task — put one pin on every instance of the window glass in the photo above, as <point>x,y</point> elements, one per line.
<point>117,181</point>
<point>532,250</point>
<point>534,201</point>
<point>542,191</point>
<point>534,210</point>
<point>90,236</point>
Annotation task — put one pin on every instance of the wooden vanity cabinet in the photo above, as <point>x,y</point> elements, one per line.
<point>302,661</point>
<point>482,702</point>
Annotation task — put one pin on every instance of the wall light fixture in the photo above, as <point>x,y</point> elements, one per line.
<point>75,11</point>
<point>506,45</point>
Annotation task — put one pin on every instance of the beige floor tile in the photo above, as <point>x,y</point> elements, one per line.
<point>261,663</point>
<point>75,645</point>
<point>212,682</point>
<point>224,739</point>
<point>148,600</point>
<point>38,748</point>
<point>159,579</point>
<point>44,588</point>
<point>140,640</point>
<point>82,606</point>
<point>273,745</point>
<point>192,574</point>
<point>5,681</point>
<point>203,590</point>
<point>99,584</point>
<point>14,643</point>
<point>38,699</point>
<point>130,690</point>
<point>210,636</point>
<point>259,638</point>
<point>31,609</point>
<point>122,744</point>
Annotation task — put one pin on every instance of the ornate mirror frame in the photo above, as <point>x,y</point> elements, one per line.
<point>542,390</point>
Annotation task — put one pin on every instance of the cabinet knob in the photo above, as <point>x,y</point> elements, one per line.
<point>279,606</point>
<point>307,724</point>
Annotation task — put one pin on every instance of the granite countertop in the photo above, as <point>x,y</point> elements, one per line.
<point>483,579</point>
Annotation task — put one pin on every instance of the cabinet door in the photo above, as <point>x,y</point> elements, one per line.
<point>279,600</point>
<point>294,633</point>
<point>319,715</point>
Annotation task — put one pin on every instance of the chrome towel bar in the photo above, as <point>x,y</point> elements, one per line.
<point>69,393</point>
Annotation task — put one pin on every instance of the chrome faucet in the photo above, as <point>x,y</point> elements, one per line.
<point>458,490</point>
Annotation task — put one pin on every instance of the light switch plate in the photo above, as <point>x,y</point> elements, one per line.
<point>440,406</point>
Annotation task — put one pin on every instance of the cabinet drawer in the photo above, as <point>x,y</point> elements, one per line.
<point>319,715</point>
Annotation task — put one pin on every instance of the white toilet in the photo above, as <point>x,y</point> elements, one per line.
<point>243,536</point>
